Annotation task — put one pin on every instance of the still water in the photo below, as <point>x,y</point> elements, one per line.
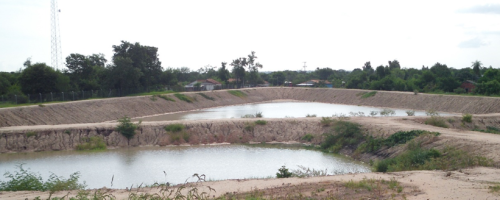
<point>147,164</point>
<point>275,110</point>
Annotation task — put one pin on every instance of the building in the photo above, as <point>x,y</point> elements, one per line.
<point>206,84</point>
<point>468,86</point>
<point>315,83</point>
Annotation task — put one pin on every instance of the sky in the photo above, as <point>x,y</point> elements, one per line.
<point>283,33</point>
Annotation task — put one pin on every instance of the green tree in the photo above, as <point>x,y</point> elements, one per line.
<point>122,74</point>
<point>85,70</point>
<point>476,67</point>
<point>223,73</point>
<point>126,127</point>
<point>40,78</point>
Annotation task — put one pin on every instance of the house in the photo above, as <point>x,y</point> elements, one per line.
<point>314,83</point>
<point>265,84</point>
<point>468,86</point>
<point>206,84</point>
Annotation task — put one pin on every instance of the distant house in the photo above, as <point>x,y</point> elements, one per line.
<point>314,83</point>
<point>265,84</point>
<point>468,86</point>
<point>206,84</point>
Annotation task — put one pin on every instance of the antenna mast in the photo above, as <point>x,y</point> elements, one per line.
<point>304,67</point>
<point>55,47</point>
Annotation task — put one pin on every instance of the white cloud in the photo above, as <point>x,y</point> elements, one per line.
<point>472,43</point>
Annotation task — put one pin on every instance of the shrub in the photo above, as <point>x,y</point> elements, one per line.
<point>261,122</point>
<point>411,159</point>
<point>126,127</point>
<point>283,173</point>
<point>259,115</point>
<point>368,94</point>
<point>174,127</point>
<point>415,92</point>
<point>386,112</point>
<point>166,98</point>
<point>249,126</point>
<point>153,98</point>
<point>248,116</point>
<point>237,93</point>
<point>183,97</point>
<point>431,112</point>
<point>206,96</point>
<point>41,105</point>
<point>326,121</point>
<point>410,112</point>
<point>343,134</point>
<point>467,118</point>
<point>313,115</point>
<point>436,121</point>
<point>308,137</point>
<point>373,113</point>
<point>459,90</point>
<point>91,143</point>
<point>30,134</point>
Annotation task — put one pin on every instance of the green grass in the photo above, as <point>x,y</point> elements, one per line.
<point>436,121</point>
<point>372,144</point>
<point>261,122</point>
<point>92,143</point>
<point>237,93</point>
<point>368,94</point>
<point>495,188</point>
<point>308,137</point>
<point>174,127</point>
<point>183,97</point>
<point>30,134</point>
<point>467,118</point>
<point>11,105</point>
<point>206,96</point>
<point>489,129</point>
<point>151,93</point>
<point>249,126</point>
<point>153,98</point>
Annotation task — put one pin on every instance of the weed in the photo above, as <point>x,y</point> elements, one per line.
<point>41,105</point>
<point>373,113</point>
<point>283,173</point>
<point>343,134</point>
<point>126,127</point>
<point>248,116</point>
<point>436,121</point>
<point>387,112</point>
<point>183,97</point>
<point>206,96</point>
<point>153,98</point>
<point>261,122</point>
<point>249,126</point>
<point>174,127</point>
<point>368,94</point>
<point>259,115</point>
<point>237,93</point>
<point>313,115</point>
<point>308,137</point>
<point>67,132</point>
<point>326,121</point>
<point>410,112</point>
<point>489,129</point>
<point>431,112</point>
<point>91,143</point>
<point>306,172</point>
<point>30,134</point>
<point>165,97</point>
<point>415,92</point>
<point>467,118</point>
<point>494,189</point>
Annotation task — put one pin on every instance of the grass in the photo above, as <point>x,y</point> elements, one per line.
<point>307,137</point>
<point>489,129</point>
<point>206,96</point>
<point>176,132</point>
<point>261,122</point>
<point>467,118</point>
<point>326,121</point>
<point>387,112</point>
<point>342,134</point>
<point>30,134</point>
<point>249,126</point>
<point>372,144</point>
<point>410,112</point>
<point>156,93</point>
<point>163,97</point>
<point>91,143</point>
<point>174,127</point>
<point>11,105</point>
<point>436,121</point>
<point>183,97</point>
<point>237,93</point>
<point>495,188</point>
<point>368,94</point>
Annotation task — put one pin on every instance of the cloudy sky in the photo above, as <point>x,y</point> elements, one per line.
<point>284,34</point>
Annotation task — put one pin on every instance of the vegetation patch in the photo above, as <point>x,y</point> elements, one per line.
<point>283,172</point>
<point>368,94</point>
<point>436,121</point>
<point>387,112</point>
<point>261,122</point>
<point>467,118</point>
<point>326,121</point>
<point>91,143</point>
<point>372,144</point>
<point>312,115</point>
<point>237,93</point>
<point>308,137</point>
<point>206,96</point>
<point>41,105</point>
<point>174,127</point>
<point>126,127</point>
<point>176,133</point>
<point>249,126</point>
<point>165,97</point>
<point>343,134</point>
<point>489,129</point>
<point>410,112</point>
<point>30,134</point>
<point>183,97</point>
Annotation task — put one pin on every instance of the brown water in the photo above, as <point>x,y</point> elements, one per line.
<point>147,165</point>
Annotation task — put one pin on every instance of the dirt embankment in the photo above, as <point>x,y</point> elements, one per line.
<point>94,111</point>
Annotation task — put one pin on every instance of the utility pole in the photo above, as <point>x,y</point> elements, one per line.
<point>304,67</point>
<point>55,46</point>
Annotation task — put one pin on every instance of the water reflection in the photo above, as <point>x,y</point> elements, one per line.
<point>147,164</point>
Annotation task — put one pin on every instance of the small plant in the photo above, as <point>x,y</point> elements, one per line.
<point>248,116</point>
<point>183,97</point>
<point>306,172</point>
<point>415,92</point>
<point>237,93</point>
<point>126,127</point>
<point>30,134</point>
<point>41,105</point>
<point>368,94</point>
<point>67,132</point>
<point>249,126</point>
<point>387,112</point>
<point>326,121</point>
<point>495,188</point>
<point>283,173</point>
<point>313,115</point>
<point>166,98</point>
<point>431,112</point>
<point>91,143</point>
<point>153,98</point>
<point>259,115</point>
<point>261,122</point>
<point>308,137</point>
<point>206,96</point>
<point>373,113</point>
<point>174,127</point>
<point>410,112</point>
<point>467,118</point>
<point>436,121</point>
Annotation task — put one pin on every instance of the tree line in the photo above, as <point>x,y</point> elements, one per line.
<point>138,66</point>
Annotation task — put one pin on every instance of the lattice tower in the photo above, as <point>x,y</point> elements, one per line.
<point>55,47</point>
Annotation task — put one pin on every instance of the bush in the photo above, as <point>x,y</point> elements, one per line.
<point>237,93</point>
<point>248,116</point>
<point>368,94</point>
<point>343,134</point>
<point>436,121</point>
<point>126,127</point>
<point>261,122</point>
<point>459,90</point>
<point>386,112</point>
<point>283,173</point>
<point>24,180</point>
<point>259,115</point>
<point>313,115</point>
<point>467,118</point>
<point>92,143</point>
<point>174,127</point>
<point>415,92</point>
<point>165,97</point>
<point>412,159</point>
<point>410,112</point>
<point>249,126</point>
<point>308,137</point>
<point>30,134</point>
<point>206,96</point>
<point>326,121</point>
<point>431,112</point>
<point>183,97</point>
<point>373,113</point>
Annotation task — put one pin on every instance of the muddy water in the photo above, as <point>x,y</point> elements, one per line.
<point>148,164</point>
<point>275,110</point>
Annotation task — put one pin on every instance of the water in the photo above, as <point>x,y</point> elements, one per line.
<point>274,110</point>
<point>146,164</point>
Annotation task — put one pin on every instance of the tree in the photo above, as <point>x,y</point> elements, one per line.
<point>324,73</point>
<point>394,65</point>
<point>127,128</point>
<point>122,74</point>
<point>223,73</point>
<point>84,70</point>
<point>40,78</point>
<point>476,67</point>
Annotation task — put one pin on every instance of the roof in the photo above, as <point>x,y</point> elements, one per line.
<point>469,81</point>
<point>314,81</point>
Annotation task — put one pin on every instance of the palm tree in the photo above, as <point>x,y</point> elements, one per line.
<point>476,67</point>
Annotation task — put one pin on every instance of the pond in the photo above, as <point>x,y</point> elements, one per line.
<point>275,110</point>
<point>147,164</point>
